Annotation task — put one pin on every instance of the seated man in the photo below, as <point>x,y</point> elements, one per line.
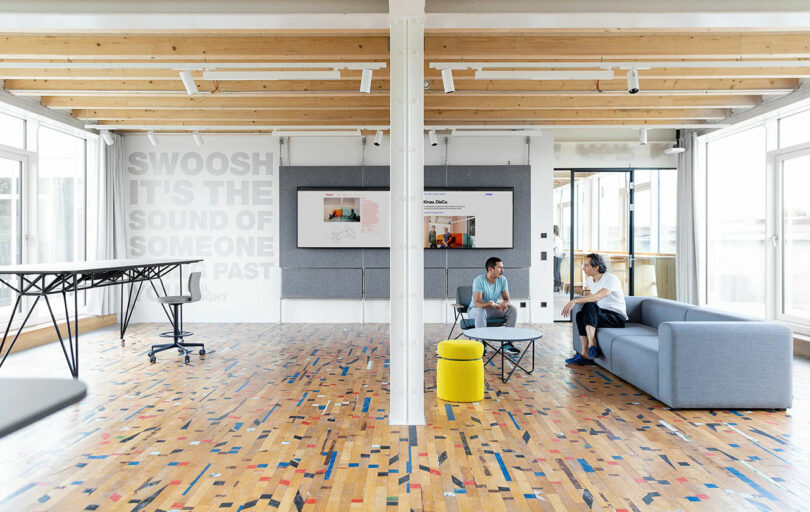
<point>604,307</point>
<point>447,239</point>
<point>487,288</point>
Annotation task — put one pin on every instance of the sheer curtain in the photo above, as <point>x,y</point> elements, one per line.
<point>112,226</point>
<point>686,263</point>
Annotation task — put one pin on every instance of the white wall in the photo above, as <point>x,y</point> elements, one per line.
<point>217,202</point>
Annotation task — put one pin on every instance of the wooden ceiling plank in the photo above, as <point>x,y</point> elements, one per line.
<point>192,48</point>
<point>504,115</point>
<point>214,102</point>
<point>233,115</point>
<point>646,46</point>
<point>383,85</point>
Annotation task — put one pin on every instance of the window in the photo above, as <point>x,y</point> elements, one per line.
<point>60,191</point>
<point>794,129</point>
<point>736,270</point>
<point>12,131</point>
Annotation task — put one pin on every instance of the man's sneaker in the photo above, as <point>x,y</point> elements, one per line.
<point>576,360</point>
<point>593,352</point>
<point>586,361</point>
<point>511,348</point>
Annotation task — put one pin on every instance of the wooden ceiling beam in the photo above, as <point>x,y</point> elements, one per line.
<point>202,85</point>
<point>646,46</point>
<point>381,116</point>
<point>478,86</point>
<point>433,101</point>
<point>383,74</point>
<point>548,115</point>
<point>595,101</point>
<point>214,102</point>
<point>192,48</point>
<point>276,116</point>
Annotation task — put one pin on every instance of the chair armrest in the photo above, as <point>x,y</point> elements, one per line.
<point>725,364</point>
<point>459,306</point>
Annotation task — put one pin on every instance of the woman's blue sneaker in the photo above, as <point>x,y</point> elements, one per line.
<point>593,352</point>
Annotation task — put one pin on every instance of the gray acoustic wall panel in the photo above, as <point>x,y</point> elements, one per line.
<point>516,176</point>
<point>377,283</point>
<point>437,262</point>
<point>435,283</point>
<point>324,283</point>
<point>517,278</point>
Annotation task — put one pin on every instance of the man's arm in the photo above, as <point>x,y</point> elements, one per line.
<point>505,303</point>
<point>594,297</point>
<point>477,296</point>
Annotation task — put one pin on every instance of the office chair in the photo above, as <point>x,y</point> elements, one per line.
<point>176,302</point>
<point>460,308</point>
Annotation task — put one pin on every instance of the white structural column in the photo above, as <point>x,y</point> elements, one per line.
<point>407,186</point>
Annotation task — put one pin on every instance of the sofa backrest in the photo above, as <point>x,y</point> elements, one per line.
<point>655,310</point>
<point>710,315</point>
<point>633,306</point>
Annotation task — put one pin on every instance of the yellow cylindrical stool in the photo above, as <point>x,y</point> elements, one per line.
<point>460,371</point>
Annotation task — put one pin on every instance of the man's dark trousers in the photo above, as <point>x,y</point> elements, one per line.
<point>591,314</point>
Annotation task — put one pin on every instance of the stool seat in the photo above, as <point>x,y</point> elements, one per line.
<point>460,371</point>
<point>174,299</point>
<point>461,350</point>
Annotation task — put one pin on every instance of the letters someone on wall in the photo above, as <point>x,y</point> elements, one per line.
<point>215,205</point>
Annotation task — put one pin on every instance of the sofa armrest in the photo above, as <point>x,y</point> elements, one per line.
<point>725,365</point>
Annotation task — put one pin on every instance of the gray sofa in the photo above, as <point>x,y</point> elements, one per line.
<point>691,357</point>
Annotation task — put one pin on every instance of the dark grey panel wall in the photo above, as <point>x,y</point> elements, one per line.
<point>377,283</point>
<point>435,283</point>
<point>325,283</point>
<point>343,262</point>
<point>517,278</point>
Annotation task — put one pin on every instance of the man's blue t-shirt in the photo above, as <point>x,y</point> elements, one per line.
<point>489,292</point>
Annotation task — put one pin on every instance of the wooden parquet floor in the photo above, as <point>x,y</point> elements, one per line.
<point>295,417</point>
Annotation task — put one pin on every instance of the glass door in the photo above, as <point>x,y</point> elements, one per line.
<point>626,215</point>
<point>792,240</point>
<point>11,226</point>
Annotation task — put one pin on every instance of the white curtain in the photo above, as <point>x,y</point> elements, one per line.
<point>112,226</point>
<point>686,262</point>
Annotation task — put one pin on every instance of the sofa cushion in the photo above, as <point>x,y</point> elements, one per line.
<point>654,311</point>
<point>635,359</point>
<point>712,315</point>
<point>607,335</point>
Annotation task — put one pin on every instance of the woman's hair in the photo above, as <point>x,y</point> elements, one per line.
<point>597,262</point>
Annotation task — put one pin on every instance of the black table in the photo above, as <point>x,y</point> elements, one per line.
<point>504,335</point>
<point>44,279</point>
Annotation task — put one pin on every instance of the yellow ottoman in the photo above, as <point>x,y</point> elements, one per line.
<point>460,371</point>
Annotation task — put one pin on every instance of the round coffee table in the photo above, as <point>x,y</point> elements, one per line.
<point>504,335</point>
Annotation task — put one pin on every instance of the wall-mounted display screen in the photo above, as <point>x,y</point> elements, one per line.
<point>468,219</point>
<point>360,218</point>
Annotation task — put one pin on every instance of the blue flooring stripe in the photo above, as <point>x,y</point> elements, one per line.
<point>195,480</point>
<point>136,412</point>
<point>20,491</point>
<point>231,366</point>
<point>751,483</point>
<point>269,413</point>
<point>513,420</point>
<point>449,409</point>
<point>243,385</point>
<point>366,403</point>
<point>587,467</point>
<point>503,467</point>
<point>302,399</point>
<point>292,379</point>
<point>345,371</point>
<point>331,465</point>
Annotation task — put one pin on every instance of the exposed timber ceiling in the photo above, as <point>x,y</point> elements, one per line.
<point>100,79</point>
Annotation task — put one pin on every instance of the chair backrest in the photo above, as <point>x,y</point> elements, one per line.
<point>464,295</point>
<point>194,286</point>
